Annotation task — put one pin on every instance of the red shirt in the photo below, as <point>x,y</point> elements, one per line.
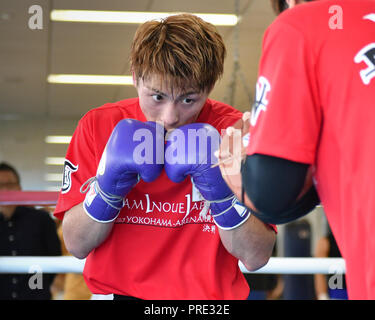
<point>159,247</point>
<point>316,105</point>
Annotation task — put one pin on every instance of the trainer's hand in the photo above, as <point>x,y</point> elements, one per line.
<point>233,145</point>
<point>232,153</point>
<point>130,155</point>
<point>190,151</point>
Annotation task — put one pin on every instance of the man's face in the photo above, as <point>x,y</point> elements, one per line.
<point>172,109</point>
<point>8,181</point>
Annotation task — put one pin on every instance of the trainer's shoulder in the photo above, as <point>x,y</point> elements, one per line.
<point>313,15</point>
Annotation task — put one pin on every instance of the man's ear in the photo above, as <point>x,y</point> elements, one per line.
<point>293,3</point>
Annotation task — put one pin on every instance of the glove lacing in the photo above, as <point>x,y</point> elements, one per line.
<point>110,199</point>
<point>207,203</point>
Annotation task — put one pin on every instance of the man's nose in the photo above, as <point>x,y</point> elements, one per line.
<point>170,115</point>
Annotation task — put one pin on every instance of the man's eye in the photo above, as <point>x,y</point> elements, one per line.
<point>188,101</point>
<point>157,97</point>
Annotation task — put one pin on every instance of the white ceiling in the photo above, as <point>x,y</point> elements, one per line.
<point>28,56</point>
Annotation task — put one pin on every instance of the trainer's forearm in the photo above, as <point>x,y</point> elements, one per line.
<point>252,242</point>
<point>321,287</point>
<point>81,233</point>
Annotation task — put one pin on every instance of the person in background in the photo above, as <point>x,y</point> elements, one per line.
<point>25,231</point>
<point>312,128</point>
<point>329,286</point>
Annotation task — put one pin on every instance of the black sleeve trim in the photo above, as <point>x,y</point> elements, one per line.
<point>304,206</point>
<point>273,184</point>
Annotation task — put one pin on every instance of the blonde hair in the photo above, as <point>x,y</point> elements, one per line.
<point>181,50</point>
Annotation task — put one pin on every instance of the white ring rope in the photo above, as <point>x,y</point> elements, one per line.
<point>69,264</point>
<point>301,266</point>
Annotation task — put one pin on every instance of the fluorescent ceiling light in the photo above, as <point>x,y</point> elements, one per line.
<point>58,139</point>
<point>134,16</point>
<point>53,177</point>
<point>58,161</point>
<point>90,79</point>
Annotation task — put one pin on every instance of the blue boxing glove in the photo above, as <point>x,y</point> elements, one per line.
<point>134,151</point>
<point>190,151</point>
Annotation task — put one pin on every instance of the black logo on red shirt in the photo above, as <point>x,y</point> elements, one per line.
<point>69,168</point>
<point>367,55</point>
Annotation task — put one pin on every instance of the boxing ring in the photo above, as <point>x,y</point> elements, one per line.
<point>69,264</point>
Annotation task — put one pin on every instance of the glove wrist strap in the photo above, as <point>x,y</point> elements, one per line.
<point>229,213</point>
<point>98,205</point>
